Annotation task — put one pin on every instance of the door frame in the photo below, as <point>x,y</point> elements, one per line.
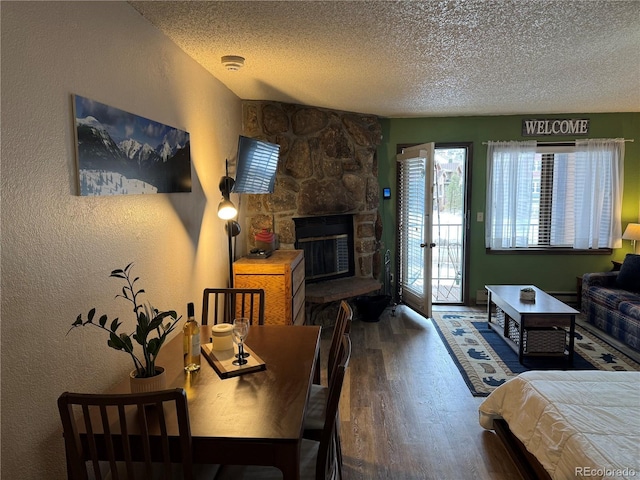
<point>467,209</point>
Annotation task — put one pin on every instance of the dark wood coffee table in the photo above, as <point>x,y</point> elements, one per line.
<point>541,316</point>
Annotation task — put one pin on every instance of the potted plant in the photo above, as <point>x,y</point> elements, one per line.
<point>150,332</point>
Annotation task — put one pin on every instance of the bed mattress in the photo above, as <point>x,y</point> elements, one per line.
<point>577,424</point>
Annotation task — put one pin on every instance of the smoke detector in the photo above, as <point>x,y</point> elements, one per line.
<point>232,62</point>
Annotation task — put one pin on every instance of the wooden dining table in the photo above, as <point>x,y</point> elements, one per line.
<point>255,418</point>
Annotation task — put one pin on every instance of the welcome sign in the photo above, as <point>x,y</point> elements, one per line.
<point>535,127</point>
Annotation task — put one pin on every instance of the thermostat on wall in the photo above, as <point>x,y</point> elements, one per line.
<point>386,192</point>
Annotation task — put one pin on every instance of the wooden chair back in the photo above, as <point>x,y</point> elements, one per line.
<point>328,456</point>
<point>125,435</point>
<point>222,305</point>
<point>341,328</point>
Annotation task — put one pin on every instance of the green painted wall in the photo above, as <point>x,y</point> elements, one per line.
<point>549,272</point>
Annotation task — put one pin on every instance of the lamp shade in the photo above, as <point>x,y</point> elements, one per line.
<point>632,232</point>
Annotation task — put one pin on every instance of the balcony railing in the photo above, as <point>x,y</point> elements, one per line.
<point>446,263</point>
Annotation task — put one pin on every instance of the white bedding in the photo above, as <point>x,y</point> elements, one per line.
<point>582,424</point>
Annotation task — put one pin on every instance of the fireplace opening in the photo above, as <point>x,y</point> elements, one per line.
<point>327,242</point>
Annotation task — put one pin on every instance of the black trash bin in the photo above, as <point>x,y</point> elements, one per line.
<point>370,307</point>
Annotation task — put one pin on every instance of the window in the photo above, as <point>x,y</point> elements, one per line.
<point>554,196</point>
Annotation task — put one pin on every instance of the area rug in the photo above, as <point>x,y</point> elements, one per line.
<point>486,361</point>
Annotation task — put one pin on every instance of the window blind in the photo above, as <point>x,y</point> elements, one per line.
<point>256,167</point>
<point>411,207</point>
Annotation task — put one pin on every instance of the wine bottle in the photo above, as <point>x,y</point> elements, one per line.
<point>191,337</point>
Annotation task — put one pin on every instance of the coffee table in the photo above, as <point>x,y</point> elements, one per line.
<point>540,319</point>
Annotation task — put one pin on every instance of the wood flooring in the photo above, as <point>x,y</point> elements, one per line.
<point>405,411</point>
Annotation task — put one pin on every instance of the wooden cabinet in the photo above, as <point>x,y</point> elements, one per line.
<point>281,276</point>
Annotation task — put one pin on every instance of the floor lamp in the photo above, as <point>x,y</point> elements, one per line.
<point>228,211</point>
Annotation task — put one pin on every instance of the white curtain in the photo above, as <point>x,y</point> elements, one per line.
<point>597,191</point>
<point>586,195</point>
<point>510,170</point>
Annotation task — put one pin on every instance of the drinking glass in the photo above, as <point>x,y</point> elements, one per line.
<point>240,332</point>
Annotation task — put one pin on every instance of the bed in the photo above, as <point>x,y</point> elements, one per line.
<point>574,424</point>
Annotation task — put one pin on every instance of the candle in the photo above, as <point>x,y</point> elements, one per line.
<point>221,336</point>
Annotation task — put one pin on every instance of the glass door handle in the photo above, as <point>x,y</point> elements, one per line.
<point>431,245</point>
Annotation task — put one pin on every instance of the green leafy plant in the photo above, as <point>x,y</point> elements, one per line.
<point>149,321</point>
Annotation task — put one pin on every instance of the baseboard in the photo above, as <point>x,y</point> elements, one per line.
<point>570,298</point>
<point>481,297</point>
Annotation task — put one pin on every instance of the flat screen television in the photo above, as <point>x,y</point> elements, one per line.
<point>256,166</point>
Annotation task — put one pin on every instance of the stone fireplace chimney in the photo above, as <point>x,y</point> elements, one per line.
<point>328,166</point>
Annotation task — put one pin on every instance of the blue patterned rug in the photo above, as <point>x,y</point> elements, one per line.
<point>486,361</point>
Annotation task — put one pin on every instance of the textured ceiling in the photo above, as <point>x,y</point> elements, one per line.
<point>418,58</point>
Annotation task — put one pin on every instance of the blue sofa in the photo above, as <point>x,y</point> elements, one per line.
<point>611,302</point>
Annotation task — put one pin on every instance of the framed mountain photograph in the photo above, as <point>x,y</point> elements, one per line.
<point>119,153</point>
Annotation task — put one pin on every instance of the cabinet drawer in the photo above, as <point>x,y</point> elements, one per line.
<point>299,319</point>
<point>297,277</point>
<point>298,303</point>
<point>281,276</point>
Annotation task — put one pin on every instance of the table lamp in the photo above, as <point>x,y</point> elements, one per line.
<point>632,232</point>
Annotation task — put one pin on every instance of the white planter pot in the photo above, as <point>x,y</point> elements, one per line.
<point>148,384</point>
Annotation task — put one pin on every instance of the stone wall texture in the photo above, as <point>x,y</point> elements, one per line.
<point>328,165</point>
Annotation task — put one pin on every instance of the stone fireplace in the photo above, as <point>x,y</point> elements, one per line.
<point>328,168</point>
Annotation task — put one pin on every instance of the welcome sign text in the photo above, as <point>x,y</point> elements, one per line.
<point>534,127</point>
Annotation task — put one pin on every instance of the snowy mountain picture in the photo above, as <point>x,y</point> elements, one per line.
<point>119,153</point>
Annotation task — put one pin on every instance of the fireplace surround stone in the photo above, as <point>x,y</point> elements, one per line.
<point>328,165</point>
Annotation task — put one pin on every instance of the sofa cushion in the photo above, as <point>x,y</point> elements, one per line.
<point>610,298</point>
<point>600,279</point>
<point>632,309</point>
<point>629,276</point>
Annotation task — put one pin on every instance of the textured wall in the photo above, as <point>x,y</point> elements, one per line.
<point>58,248</point>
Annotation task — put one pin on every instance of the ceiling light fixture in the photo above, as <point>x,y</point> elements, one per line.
<point>232,62</point>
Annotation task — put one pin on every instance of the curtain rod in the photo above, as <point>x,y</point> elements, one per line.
<point>561,143</point>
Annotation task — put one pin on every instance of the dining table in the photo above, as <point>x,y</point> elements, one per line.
<point>251,419</point>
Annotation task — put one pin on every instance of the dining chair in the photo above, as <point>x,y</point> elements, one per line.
<point>318,458</point>
<point>126,436</point>
<point>222,305</point>
<point>342,327</point>
<point>315,415</point>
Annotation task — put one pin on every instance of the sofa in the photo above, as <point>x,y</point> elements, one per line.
<point>611,301</point>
